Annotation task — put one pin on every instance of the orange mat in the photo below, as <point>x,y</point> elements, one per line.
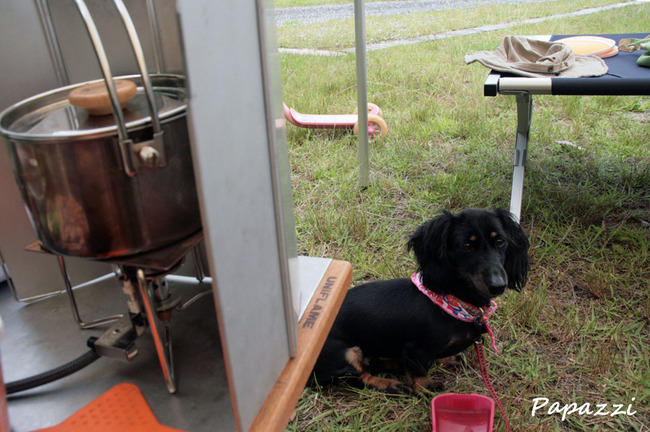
<point>121,409</point>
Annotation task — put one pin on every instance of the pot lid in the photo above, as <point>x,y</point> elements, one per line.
<point>50,115</point>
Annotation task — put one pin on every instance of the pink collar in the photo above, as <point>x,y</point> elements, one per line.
<point>458,308</point>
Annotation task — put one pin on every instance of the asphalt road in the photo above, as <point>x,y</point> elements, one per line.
<point>313,14</point>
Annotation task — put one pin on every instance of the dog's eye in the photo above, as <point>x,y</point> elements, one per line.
<point>499,242</point>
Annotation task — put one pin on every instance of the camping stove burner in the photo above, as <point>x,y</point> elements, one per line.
<point>149,301</point>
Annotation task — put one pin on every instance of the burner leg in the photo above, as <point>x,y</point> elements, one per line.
<point>199,270</point>
<point>160,329</point>
<point>73,302</point>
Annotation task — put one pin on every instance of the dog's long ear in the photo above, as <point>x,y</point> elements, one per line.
<point>516,264</point>
<point>429,242</point>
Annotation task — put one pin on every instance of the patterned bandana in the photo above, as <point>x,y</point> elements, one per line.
<point>458,308</point>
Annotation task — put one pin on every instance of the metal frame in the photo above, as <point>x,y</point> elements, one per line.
<point>493,86</point>
<point>73,302</point>
<point>52,42</point>
<point>524,115</point>
<point>241,174</point>
<point>524,87</point>
<point>362,90</point>
<point>160,328</point>
<point>199,274</point>
<point>69,290</point>
<point>281,190</point>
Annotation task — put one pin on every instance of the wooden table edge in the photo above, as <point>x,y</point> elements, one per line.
<point>313,329</point>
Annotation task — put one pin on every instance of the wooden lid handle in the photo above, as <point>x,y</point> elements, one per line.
<point>94,98</point>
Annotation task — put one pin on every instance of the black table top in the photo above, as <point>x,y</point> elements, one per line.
<point>624,76</point>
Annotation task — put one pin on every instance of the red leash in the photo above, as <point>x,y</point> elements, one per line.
<point>484,372</point>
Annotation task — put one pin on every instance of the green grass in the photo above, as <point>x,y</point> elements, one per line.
<point>339,34</point>
<point>579,332</point>
<point>296,3</point>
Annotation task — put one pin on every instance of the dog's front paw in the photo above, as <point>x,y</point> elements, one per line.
<point>453,362</point>
<point>420,383</point>
<point>438,385</point>
<point>399,388</point>
<point>386,385</point>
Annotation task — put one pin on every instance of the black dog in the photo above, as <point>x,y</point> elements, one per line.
<point>472,255</point>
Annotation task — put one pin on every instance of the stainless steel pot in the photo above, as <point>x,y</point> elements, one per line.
<point>106,186</point>
<point>74,183</point>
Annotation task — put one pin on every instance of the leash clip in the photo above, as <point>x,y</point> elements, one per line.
<point>480,319</point>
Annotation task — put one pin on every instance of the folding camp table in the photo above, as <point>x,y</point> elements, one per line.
<point>624,78</point>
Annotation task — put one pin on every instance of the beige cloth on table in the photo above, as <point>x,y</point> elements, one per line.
<point>536,58</point>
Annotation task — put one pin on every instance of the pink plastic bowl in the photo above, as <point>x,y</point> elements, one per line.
<point>453,412</point>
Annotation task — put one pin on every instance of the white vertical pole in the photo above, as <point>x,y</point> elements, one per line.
<point>362,91</point>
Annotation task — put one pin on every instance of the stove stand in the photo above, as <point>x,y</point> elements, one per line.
<point>149,301</point>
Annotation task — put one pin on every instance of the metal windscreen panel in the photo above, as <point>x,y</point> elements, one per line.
<point>228,116</point>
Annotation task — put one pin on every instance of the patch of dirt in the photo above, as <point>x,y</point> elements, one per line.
<point>640,117</point>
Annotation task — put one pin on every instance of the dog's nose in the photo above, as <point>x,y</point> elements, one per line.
<point>496,282</point>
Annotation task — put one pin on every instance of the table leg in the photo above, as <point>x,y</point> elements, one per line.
<point>524,113</point>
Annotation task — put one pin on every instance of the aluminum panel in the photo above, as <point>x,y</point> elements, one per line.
<point>229,115</point>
